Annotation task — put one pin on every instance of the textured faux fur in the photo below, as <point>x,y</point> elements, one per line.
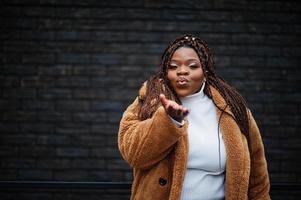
<point>157,151</point>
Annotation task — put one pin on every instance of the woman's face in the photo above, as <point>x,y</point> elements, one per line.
<point>185,71</point>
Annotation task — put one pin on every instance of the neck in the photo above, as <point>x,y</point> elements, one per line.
<point>199,95</point>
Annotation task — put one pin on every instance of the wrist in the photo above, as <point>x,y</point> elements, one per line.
<point>178,119</point>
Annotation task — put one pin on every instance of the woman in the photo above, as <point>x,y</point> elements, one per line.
<point>189,135</point>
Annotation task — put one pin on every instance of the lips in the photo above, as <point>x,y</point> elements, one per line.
<point>182,82</point>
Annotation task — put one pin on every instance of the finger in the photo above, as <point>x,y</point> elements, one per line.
<point>163,100</point>
<point>177,110</point>
<point>182,112</point>
<point>185,111</point>
<point>172,109</point>
<point>179,113</point>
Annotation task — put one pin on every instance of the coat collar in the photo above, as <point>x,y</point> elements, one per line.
<point>220,101</point>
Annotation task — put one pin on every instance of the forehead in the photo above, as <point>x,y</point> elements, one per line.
<point>185,53</point>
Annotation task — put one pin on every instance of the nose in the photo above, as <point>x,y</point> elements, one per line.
<point>182,70</point>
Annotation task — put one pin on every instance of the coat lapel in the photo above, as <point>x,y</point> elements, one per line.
<point>179,168</point>
<point>234,147</point>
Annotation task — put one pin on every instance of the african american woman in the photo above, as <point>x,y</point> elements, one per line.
<point>189,135</point>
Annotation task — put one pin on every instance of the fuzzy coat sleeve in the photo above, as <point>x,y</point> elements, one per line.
<point>144,143</point>
<point>259,178</point>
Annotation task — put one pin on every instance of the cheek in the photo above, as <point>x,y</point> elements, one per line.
<point>198,76</point>
<point>170,76</point>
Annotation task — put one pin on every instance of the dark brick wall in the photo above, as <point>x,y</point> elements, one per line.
<point>70,68</point>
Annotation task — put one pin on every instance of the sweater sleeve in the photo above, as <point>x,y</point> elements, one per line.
<point>144,143</point>
<point>259,179</point>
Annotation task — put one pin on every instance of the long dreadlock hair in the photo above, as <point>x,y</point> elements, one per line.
<point>159,83</point>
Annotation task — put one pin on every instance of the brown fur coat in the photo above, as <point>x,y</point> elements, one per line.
<point>157,151</point>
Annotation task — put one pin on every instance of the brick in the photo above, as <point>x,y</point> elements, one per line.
<point>228,50</point>
<point>53,163</point>
<point>72,82</point>
<point>283,154</point>
<point>247,61</point>
<point>89,70</point>
<point>18,116</point>
<point>17,139</point>
<point>88,164</point>
<point>73,35</point>
<point>6,104</point>
<point>9,81</point>
<point>114,117</point>
<point>19,23</point>
<point>8,151</point>
<point>72,152</point>
<point>117,165</point>
<point>246,38</point>
<point>106,106</point>
<point>106,152</point>
<point>37,152</point>
<point>57,70</point>
<point>54,93</point>
<point>112,59</point>
<point>98,117</point>
<point>105,129</point>
<point>104,175</point>
<point>53,140</point>
<point>23,163</point>
<point>222,61</point>
<point>69,175</point>
<point>142,59</point>
<point>33,174</point>
<point>74,128</point>
<point>90,94</point>
<point>72,105</point>
<point>70,58</point>
<point>112,140</point>
<point>37,105</point>
<point>105,82</point>
<point>88,140</point>
<point>8,174</point>
<point>274,166</point>
<point>53,116</point>
<point>263,51</point>
<point>42,127</point>
<point>38,58</point>
<point>30,82</point>
<point>291,51</point>
<point>34,35</point>
<point>18,69</point>
<point>283,177</point>
<point>20,93</point>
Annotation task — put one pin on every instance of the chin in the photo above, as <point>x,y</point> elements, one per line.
<point>182,94</point>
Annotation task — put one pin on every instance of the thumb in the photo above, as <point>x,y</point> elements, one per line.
<point>163,100</point>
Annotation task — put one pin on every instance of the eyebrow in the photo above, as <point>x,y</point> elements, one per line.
<point>189,60</point>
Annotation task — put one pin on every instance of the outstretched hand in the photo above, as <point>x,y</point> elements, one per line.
<point>174,110</point>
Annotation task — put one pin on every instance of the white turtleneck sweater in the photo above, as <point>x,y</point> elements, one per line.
<point>205,174</point>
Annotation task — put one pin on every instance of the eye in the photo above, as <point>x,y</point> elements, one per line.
<point>172,67</point>
<point>194,66</point>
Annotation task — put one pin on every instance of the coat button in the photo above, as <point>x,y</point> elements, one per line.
<point>162,181</point>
